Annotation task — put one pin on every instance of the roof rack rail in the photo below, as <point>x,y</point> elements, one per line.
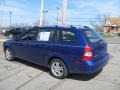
<point>66,26</point>
<point>49,26</point>
<point>72,26</point>
<point>86,27</point>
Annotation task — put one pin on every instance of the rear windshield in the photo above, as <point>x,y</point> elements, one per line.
<point>92,36</point>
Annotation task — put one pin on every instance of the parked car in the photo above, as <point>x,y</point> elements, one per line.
<point>3,31</point>
<point>63,50</point>
<point>14,32</point>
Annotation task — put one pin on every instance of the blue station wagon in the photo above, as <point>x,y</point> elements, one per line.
<point>63,50</point>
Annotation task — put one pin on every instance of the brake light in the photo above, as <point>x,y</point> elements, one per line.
<point>88,54</point>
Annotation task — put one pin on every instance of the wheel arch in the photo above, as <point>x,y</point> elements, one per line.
<point>60,58</point>
<point>7,46</point>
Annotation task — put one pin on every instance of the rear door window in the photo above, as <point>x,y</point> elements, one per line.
<point>68,37</point>
<point>92,36</point>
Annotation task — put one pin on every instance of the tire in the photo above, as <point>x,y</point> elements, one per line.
<point>58,69</point>
<point>9,54</point>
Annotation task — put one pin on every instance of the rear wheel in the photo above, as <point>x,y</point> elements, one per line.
<point>9,54</point>
<point>58,69</point>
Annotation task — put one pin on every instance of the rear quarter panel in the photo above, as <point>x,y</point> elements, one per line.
<point>68,53</point>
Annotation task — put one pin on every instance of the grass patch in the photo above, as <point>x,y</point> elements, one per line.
<point>108,36</point>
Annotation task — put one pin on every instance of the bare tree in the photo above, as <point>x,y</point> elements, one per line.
<point>99,25</point>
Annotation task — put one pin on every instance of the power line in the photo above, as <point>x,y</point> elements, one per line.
<point>85,18</point>
<point>82,21</point>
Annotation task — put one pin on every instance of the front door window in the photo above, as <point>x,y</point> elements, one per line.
<point>31,35</point>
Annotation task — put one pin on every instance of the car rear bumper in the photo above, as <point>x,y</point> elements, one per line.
<point>91,67</point>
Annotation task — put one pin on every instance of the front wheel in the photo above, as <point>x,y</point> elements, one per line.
<point>9,54</point>
<point>58,69</point>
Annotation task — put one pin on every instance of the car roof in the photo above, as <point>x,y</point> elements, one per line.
<point>61,27</point>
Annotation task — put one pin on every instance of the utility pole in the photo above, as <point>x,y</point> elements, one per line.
<point>41,12</point>
<point>10,18</point>
<point>57,19</point>
<point>44,16</point>
<point>0,23</point>
<point>64,12</point>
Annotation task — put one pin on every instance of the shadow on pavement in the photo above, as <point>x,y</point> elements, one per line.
<point>31,65</point>
<point>81,77</point>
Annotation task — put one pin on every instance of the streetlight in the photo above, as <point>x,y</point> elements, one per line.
<point>10,18</point>
<point>57,15</point>
<point>44,16</point>
<point>41,12</point>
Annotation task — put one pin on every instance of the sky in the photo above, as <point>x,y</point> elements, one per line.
<point>79,12</point>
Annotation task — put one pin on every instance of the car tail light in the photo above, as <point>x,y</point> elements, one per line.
<point>88,54</point>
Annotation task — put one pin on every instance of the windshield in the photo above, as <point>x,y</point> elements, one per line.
<point>92,36</point>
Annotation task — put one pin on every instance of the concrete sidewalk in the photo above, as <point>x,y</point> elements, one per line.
<point>20,75</point>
